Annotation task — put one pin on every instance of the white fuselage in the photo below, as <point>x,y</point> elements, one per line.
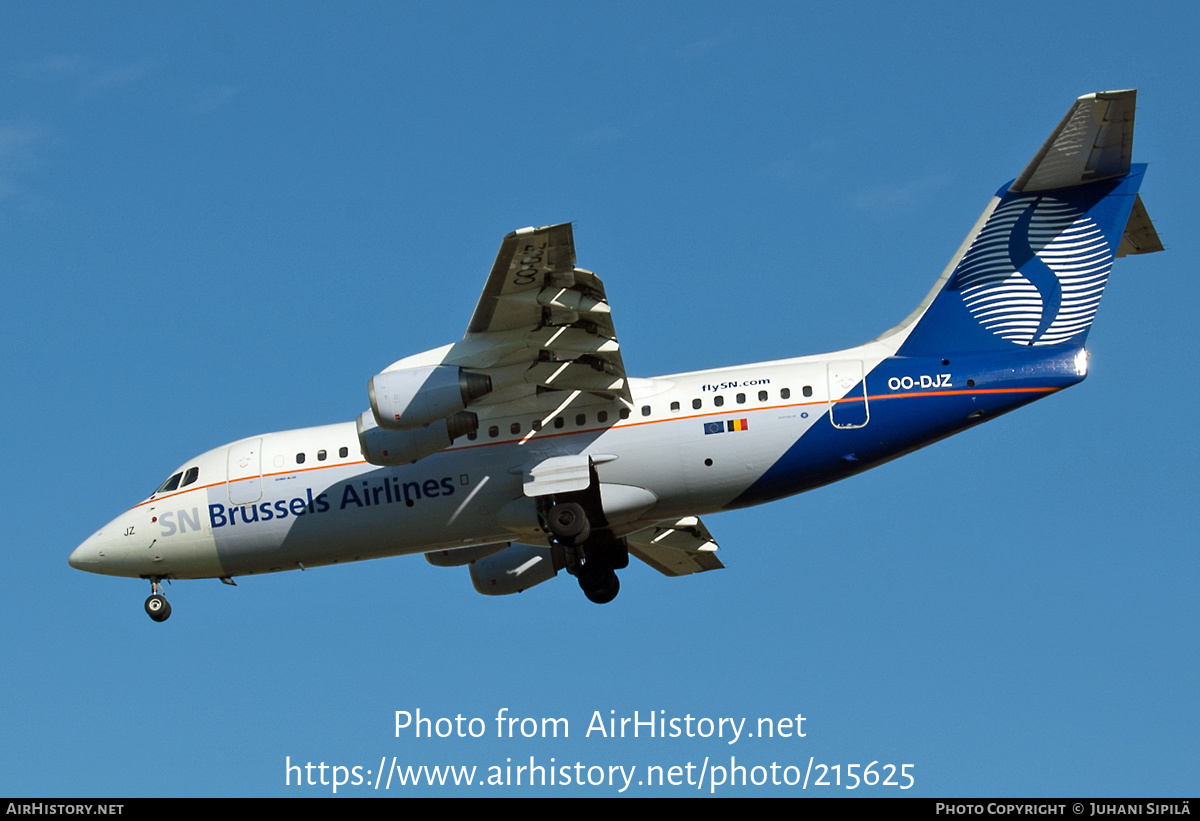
<point>306,497</point>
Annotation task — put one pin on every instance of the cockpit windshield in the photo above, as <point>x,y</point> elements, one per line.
<point>174,482</point>
<point>170,484</point>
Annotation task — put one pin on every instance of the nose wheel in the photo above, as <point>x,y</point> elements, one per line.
<point>157,606</point>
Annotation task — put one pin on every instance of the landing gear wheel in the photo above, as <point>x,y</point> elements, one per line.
<point>158,608</point>
<point>598,582</point>
<point>568,523</point>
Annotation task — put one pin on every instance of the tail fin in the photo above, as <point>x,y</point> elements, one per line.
<point>1033,269</point>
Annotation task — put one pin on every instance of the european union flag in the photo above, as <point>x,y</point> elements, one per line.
<point>714,427</point>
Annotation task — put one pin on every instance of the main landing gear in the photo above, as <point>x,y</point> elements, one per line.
<point>568,523</point>
<point>592,557</point>
<point>157,606</point>
<point>598,581</point>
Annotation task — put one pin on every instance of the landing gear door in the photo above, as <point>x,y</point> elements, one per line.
<point>245,472</point>
<point>558,474</point>
<point>848,395</point>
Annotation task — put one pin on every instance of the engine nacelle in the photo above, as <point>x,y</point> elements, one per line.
<point>399,447</point>
<point>513,570</point>
<point>410,398</point>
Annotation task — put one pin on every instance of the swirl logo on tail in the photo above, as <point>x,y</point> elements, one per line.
<point>1036,272</point>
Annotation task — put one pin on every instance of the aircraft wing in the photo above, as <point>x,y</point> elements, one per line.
<point>676,548</point>
<point>542,322</point>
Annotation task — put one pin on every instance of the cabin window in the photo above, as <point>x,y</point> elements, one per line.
<point>514,428</point>
<point>537,424</point>
<point>493,431</point>
<point>299,458</point>
<point>786,393</point>
<point>808,390</point>
<point>741,398</point>
<point>645,410</point>
<point>192,475</point>
<point>602,416</point>
<point>674,406</point>
<point>580,420</point>
<point>696,404</point>
<point>624,413</point>
<point>321,455</point>
<point>559,422</point>
<point>343,452</point>
<point>473,435</point>
<point>718,401</point>
<point>762,396</point>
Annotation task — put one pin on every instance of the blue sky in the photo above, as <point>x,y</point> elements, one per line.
<point>220,220</point>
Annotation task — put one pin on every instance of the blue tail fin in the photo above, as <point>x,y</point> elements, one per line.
<point>1033,269</point>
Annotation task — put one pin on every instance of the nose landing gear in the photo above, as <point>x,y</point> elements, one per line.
<point>157,606</point>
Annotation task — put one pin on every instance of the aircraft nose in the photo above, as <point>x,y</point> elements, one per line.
<point>82,556</point>
<point>88,556</point>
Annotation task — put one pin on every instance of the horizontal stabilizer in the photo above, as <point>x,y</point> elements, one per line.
<point>1093,142</point>
<point>1140,236</point>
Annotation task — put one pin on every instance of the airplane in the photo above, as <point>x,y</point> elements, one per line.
<point>525,449</point>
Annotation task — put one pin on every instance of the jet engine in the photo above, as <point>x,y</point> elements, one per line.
<point>399,447</point>
<point>514,569</point>
<point>409,398</point>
